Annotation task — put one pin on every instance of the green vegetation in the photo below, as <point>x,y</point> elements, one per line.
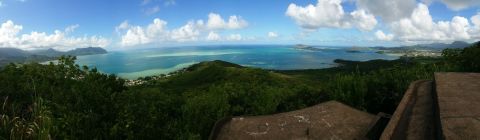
<point>66,101</point>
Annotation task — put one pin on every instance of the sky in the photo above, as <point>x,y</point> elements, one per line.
<point>130,24</point>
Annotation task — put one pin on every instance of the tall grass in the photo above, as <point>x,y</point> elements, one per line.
<point>26,120</point>
<point>33,122</point>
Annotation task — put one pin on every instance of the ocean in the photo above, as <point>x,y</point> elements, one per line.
<point>132,64</point>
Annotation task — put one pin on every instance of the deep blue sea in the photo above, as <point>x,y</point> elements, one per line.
<point>132,64</point>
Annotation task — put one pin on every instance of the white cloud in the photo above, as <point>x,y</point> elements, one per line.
<point>420,27</point>
<point>234,37</point>
<point>71,28</point>
<point>134,36</point>
<point>122,26</point>
<point>363,21</point>
<point>382,36</point>
<point>216,22</point>
<point>213,36</point>
<point>388,10</point>
<point>272,35</point>
<point>330,14</point>
<point>158,32</point>
<point>461,4</point>
<point>475,30</point>
<point>476,20</point>
<point>8,34</point>
<point>10,37</point>
<point>327,13</point>
<point>189,32</point>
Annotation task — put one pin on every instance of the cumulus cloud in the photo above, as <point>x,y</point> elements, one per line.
<point>10,37</point>
<point>216,22</point>
<point>8,34</point>
<point>388,10</point>
<point>157,31</point>
<point>460,4</point>
<point>330,14</point>
<point>134,36</point>
<point>420,27</point>
<point>363,21</point>
<point>475,31</point>
<point>476,20</point>
<point>234,37</point>
<point>272,35</point>
<point>213,36</point>
<point>382,36</point>
<point>189,32</point>
<point>327,13</point>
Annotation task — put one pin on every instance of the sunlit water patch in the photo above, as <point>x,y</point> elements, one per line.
<point>134,75</point>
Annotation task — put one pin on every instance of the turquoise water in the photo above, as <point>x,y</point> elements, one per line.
<point>132,64</point>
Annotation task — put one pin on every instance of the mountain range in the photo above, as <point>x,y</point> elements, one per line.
<point>14,55</point>
<point>431,47</point>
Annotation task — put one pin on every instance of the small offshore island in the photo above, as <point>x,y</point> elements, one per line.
<point>305,47</point>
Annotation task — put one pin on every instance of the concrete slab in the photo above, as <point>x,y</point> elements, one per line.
<point>458,96</point>
<point>329,120</point>
<point>448,108</point>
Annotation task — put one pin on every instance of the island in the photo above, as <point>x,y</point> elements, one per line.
<point>306,48</point>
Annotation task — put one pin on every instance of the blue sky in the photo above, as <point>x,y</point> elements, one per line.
<point>97,22</point>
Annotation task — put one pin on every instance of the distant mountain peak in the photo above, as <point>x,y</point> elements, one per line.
<point>51,49</point>
<point>454,44</point>
<point>87,51</point>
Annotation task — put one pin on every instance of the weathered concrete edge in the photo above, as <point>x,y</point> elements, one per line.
<point>436,111</point>
<point>218,127</point>
<point>376,127</point>
<point>400,116</point>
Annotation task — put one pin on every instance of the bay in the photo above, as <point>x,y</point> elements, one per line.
<point>131,64</point>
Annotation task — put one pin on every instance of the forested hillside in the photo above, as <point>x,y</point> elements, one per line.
<point>67,101</point>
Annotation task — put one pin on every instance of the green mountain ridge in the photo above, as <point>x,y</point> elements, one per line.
<point>15,55</point>
<point>432,46</point>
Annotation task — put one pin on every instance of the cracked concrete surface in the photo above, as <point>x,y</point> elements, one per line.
<point>329,120</point>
